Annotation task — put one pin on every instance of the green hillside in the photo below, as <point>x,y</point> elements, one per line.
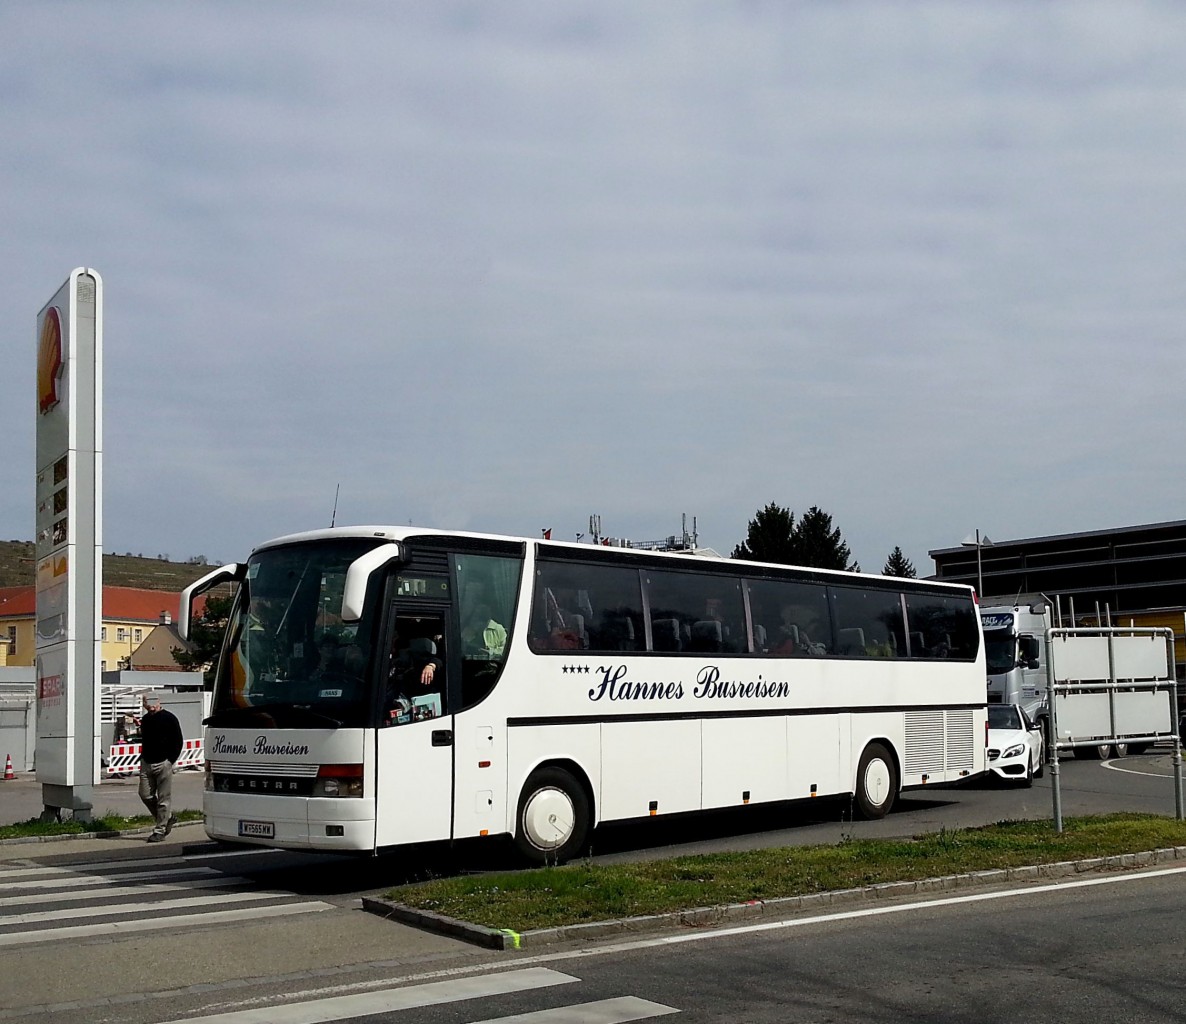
<point>17,569</point>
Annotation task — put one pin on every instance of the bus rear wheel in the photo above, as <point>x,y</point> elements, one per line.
<point>552,824</point>
<point>877,782</point>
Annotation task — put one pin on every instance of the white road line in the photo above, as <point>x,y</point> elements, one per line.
<point>92,866</point>
<point>603,1011</point>
<point>127,890</point>
<point>139,908</point>
<point>179,922</point>
<point>363,1004</point>
<point>1133,771</point>
<point>80,880</point>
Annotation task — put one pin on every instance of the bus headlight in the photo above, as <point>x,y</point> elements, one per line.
<point>339,780</point>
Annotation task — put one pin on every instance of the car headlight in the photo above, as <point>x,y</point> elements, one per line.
<point>1015,751</point>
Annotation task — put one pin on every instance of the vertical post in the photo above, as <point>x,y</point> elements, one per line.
<point>1111,688</point>
<point>1055,772</point>
<point>1178,802</point>
<point>979,569</point>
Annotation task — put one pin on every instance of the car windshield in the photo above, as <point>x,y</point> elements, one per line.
<point>290,660</point>
<point>1003,716</point>
<point>1000,651</point>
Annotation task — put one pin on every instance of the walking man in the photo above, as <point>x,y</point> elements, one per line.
<point>160,746</point>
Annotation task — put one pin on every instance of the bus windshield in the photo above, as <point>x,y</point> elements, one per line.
<point>290,660</point>
<point>1000,651</point>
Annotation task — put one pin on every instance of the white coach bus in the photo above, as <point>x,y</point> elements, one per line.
<point>383,686</point>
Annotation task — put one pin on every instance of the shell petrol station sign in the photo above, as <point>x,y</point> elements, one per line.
<point>69,542</point>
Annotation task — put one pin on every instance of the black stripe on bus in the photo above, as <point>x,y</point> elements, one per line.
<point>677,716</point>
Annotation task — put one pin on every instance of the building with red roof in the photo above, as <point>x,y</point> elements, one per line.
<point>129,616</point>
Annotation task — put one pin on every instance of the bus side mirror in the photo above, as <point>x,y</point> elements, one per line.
<point>358,576</point>
<point>233,572</point>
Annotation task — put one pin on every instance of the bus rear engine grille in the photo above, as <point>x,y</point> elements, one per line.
<point>938,741</point>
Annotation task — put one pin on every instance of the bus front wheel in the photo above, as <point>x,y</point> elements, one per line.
<point>877,782</point>
<point>553,820</point>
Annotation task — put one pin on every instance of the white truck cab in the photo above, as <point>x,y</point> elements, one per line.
<point>1016,656</point>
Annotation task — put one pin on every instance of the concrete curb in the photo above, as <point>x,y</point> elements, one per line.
<point>701,917</point>
<point>128,833</point>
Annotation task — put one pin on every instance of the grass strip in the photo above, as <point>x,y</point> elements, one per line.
<point>584,892</point>
<point>109,822</point>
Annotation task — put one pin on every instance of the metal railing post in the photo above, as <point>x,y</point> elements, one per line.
<point>1055,773</point>
<point>1173,681</point>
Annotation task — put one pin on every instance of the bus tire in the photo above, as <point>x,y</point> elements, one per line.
<point>552,824</point>
<point>1098,752</point>
<point>877,782</point>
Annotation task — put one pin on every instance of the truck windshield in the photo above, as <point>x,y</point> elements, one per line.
<point>289,660</point>
<point>1000,651</point>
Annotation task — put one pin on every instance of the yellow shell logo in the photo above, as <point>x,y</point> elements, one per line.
<point>49,360</point>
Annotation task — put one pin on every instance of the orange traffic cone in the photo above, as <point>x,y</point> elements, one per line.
<point>9,774</point>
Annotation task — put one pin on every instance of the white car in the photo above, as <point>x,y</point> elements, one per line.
<point>1016,750</point>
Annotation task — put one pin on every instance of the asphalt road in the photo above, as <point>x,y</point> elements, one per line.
<point>1072,953</point>
<point>1085,949</point>
<point>99,936</point>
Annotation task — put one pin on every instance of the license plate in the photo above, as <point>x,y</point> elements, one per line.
<point>257,829</point>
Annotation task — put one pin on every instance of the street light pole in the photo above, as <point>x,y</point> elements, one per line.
<point>980,541</point>
<point>979,569</point>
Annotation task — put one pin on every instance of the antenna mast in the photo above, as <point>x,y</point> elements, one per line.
<point>334,515</point>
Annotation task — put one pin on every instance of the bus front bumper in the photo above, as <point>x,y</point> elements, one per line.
<point>296,823</point>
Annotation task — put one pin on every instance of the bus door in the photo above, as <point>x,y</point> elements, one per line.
<point>415,735</point>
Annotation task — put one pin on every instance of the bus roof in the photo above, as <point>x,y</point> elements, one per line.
<point>403,533</point>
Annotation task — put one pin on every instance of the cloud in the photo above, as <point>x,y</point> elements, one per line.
<point>495,267</point>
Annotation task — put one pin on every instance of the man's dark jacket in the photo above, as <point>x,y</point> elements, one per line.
<point>160,737</point>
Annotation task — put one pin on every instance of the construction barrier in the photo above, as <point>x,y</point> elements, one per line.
<point>124,758</point>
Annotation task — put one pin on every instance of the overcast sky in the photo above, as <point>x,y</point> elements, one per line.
<point>500,266</point>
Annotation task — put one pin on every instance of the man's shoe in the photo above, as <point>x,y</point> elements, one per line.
<point>170,823</point>
<point>157,837</point>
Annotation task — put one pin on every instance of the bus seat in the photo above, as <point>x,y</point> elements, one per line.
<point>617,633</point>
<point>422,645</point>
<point>665,633</point>
<point>851,641</point>
<point>759,637</point>
<point>917,647</point>
<point>707,636</point>
<point>576,623</point>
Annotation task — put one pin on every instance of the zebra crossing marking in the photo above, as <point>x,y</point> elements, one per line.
<point>601,1011</point>
<point>181,903</point>
<point>100,880</point>
<point>229,882</point>
<point>320,1011</point>
<point>179,922</point>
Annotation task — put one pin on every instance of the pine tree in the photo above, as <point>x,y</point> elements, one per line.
<point>770,537</point>
<point>899,565</point>
<point>775,536</point>
<point>819,544</point>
